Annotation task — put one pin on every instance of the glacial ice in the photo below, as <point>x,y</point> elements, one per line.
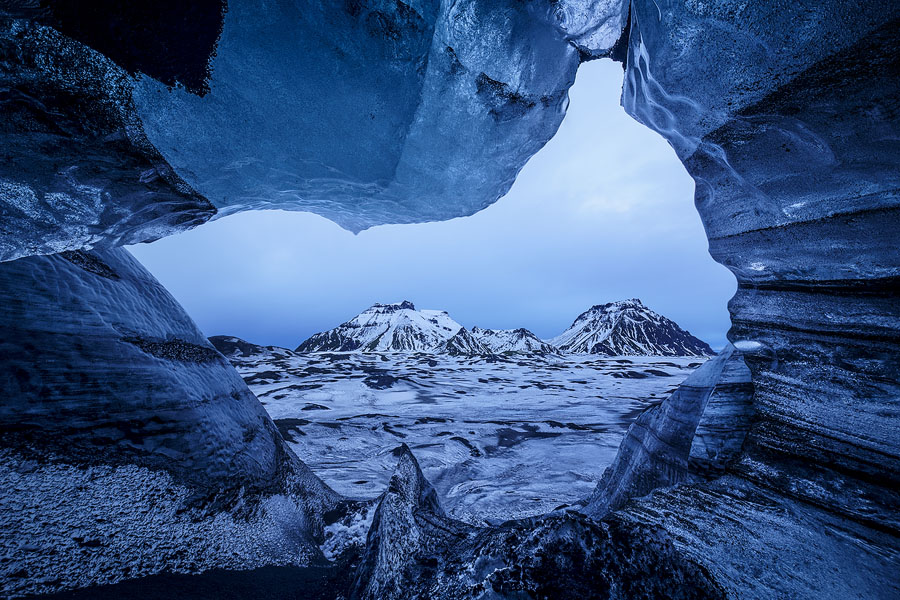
<point>376,112</point>
<point>654,453</point>
<point>364,112</point>
<point>785,115</point>
<point>124,432</point>
<point>500,437</point>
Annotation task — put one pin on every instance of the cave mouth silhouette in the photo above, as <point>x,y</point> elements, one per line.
<point>794,153</point>
<point>652,247</point>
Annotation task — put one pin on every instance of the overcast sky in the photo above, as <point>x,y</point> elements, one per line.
<point>603,212</point>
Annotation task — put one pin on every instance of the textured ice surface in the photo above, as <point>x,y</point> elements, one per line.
<point>376,112</point>
<point>76,169</point>
<point>102,353</point>
<point>498,438</point>
<point>64,525</point>
<point>759,544</point>
<point>128,444</point>
<point>364,112</point>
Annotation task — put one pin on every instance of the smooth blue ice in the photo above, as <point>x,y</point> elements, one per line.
<point>382,113</point>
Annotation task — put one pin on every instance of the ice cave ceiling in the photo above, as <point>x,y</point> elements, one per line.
<point>120,127</point>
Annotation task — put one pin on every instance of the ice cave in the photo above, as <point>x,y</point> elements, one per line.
<point>132,449</point>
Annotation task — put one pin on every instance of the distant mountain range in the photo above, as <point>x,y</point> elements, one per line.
<point>618,328</point>
<point>511,340</point>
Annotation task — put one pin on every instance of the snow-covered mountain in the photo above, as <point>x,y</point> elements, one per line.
<point>628,328</point>
<point>619,328</point>
<point>464,343</point>
<point>397,327</point>
<point>511,340</point>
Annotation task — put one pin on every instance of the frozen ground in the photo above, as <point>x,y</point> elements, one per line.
<point>499,439</point>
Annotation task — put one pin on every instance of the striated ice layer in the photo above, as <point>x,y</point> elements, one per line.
<point>654,452</point>
<point>788,123</point>
<point>787,119</point>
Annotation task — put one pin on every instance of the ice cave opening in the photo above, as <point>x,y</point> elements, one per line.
<point>505,431</point>
<point>133,452</point>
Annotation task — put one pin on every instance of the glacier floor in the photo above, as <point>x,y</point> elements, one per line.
<point>499,439</point>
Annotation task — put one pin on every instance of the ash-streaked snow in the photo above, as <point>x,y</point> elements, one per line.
<point>396,327</point>
<point>498,437</point>
<point>628,328</point>
<point>511,340</point>
<point>624,328</point>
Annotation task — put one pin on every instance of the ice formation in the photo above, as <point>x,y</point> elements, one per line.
<point>785,115</point>
<point>365,112</point>
<point>126,434</point>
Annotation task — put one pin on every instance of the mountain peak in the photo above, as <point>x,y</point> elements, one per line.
<point>628,327</point>
<point>625,327</point>
<point>619,305</point>
<point>391,307</point>
<point>396,327</point>
<point>511,340</point>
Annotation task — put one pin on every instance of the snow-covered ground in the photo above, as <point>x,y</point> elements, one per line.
<point>499,438</point>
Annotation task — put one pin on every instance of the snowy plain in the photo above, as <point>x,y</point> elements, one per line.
<point>499,437</point>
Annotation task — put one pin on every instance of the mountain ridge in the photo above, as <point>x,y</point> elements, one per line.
<point>622,328</point>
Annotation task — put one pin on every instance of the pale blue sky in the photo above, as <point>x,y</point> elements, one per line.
<point>603,212</point>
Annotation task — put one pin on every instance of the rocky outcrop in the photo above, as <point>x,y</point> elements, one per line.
<point>408,522</point>
<point>128,444</point>
<point>232,346</point>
